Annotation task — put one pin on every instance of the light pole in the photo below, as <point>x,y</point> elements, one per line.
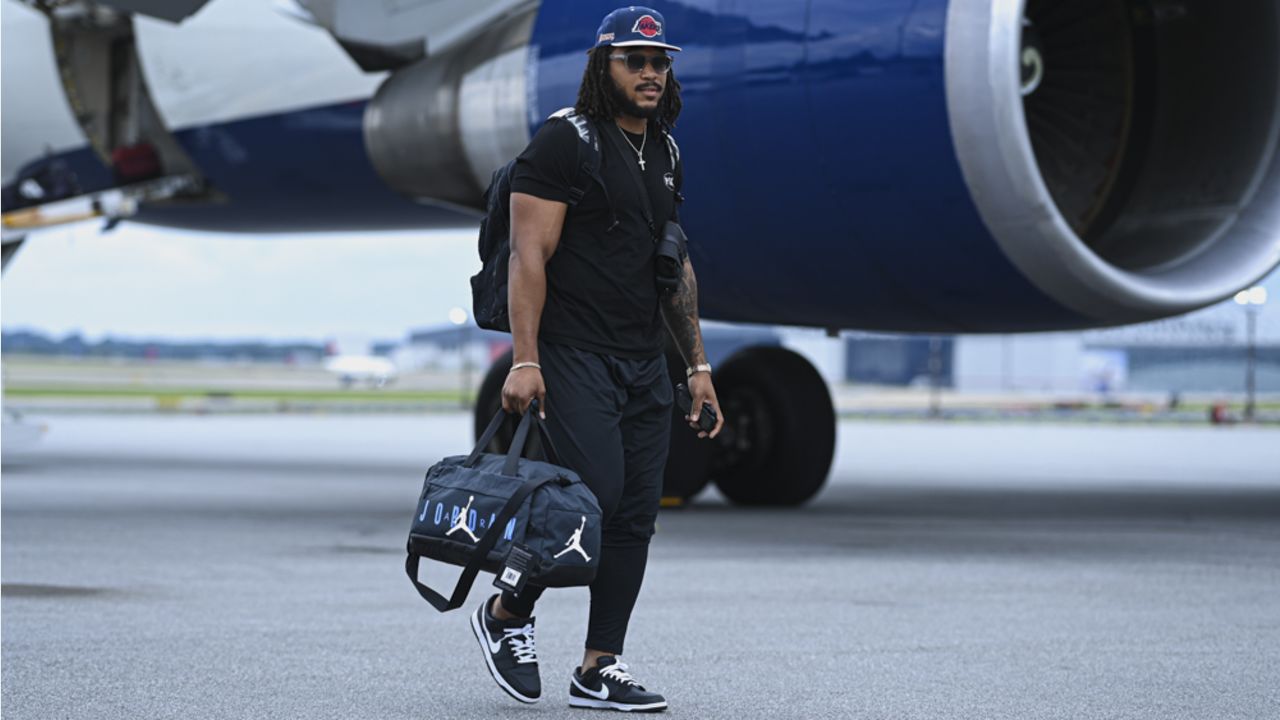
<point>458,316</point>
<point>935,377</point>
<point>1252,301</point>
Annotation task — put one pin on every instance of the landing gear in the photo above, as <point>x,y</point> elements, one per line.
<point>778,439</point>
<point>8,249</point>
<point>780,428</point>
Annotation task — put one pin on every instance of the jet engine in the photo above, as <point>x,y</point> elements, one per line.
<point>1122,154</point>
<point>437,129</point>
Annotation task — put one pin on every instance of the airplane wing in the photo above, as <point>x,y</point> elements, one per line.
<point>171,10</point>
<point>384,36</point>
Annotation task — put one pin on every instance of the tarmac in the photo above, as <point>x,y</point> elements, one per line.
<point>252,567</point>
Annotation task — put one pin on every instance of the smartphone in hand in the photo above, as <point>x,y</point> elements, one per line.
<point>706,419</point>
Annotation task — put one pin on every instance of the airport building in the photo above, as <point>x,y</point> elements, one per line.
<point>1204,352</point>
<point>455,347</point>
<point>449,347</point>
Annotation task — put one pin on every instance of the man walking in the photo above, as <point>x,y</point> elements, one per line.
<point>587,322</point>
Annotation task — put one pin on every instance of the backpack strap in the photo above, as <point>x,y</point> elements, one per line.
<point>673,154</point>
<point>589,159</point>
<point>646,205</point>
<point>673,150</point>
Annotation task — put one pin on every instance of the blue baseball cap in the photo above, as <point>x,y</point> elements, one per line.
<point>633,26</point>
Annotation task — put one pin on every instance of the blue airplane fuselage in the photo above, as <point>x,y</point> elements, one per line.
<point>821,176</point>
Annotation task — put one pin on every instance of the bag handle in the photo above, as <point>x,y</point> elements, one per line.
<point>486,437</point>
<point>553,455</point>
<point>517,443</point>
<point>479,553</point>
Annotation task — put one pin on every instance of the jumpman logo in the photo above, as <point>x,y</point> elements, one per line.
<point>575,542</point>
<point>461,522</point>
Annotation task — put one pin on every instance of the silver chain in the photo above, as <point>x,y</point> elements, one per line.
<point>639,153</point>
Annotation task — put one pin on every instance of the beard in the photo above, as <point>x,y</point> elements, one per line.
<point>629,106</point>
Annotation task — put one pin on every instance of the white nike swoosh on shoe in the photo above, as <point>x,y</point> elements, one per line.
<point>494,647</point>
<point>477,629</point>
<point>601,694</point>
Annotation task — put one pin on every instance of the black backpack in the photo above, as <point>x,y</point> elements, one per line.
<point>489,286</point>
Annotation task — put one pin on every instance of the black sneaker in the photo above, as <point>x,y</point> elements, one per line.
<point>608,686</point>
<point>508,652</point>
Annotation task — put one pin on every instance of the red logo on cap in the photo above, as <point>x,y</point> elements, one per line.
<point>647,26</point>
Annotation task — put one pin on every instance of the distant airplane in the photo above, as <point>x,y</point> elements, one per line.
<point>369,369</point>
<point>931,166</point>
<point>19,435</point>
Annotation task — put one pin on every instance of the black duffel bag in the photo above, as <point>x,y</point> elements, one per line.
<point>523,520</point>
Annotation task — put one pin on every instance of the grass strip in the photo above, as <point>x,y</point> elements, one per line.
<point>238,394</point>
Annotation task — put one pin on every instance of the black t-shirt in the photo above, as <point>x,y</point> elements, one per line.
<point>601,294</point>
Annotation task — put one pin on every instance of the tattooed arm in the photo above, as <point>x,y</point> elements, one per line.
<point>680,311</point>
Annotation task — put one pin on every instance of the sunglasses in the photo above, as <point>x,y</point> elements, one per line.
<point>636,61</point>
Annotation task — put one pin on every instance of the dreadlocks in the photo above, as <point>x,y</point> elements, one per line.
<point>596,97</point>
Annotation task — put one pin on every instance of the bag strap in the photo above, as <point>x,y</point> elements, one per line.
<point>518,442</point>
<point>548,447</point>
<point>646,207</point>
<point>486,437</point>
<point>588,164</point>
<point>673,152</point>
<point>589,159</point>
<point>553,456</point>
<point>478,554</point>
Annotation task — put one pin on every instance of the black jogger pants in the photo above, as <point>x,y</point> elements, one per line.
<point>610,419</point>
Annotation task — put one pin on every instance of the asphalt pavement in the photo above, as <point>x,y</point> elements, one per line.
<point>252,567</point>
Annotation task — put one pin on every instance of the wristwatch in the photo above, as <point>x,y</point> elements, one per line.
<point>704,367</point>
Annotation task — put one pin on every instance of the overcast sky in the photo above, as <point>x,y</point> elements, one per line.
<point>155,282</point>
<point>146,282</point>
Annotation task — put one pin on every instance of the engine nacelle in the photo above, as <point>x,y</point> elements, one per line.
<point>1130,170</point>
<point>437,130</point>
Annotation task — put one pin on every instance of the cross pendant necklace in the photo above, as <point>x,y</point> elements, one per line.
<point>639,152</point>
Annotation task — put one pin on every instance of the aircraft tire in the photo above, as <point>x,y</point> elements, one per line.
<point>780,428</point>
<point>489,401</point>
